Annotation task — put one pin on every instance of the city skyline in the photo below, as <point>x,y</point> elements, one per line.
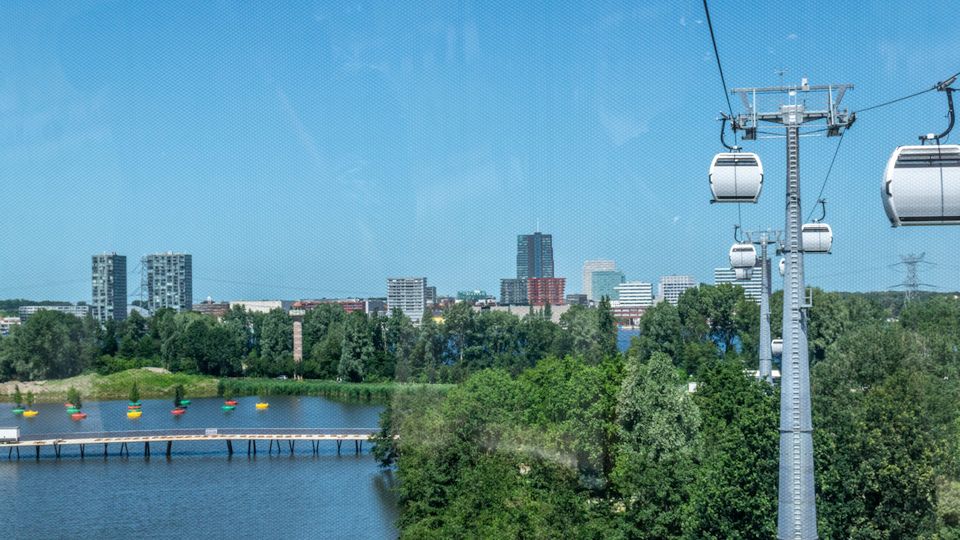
<point>275,169</point>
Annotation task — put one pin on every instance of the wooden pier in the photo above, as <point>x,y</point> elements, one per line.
<point>121,440</point>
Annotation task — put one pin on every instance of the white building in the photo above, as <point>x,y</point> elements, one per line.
<point>634,294</point>
<point>409,294</point>
<point>589,267</point>
<point>752,288</point>
<point>77,311</point>
<point>6,323</point>
<point>671,287</point>
<point>262,306</point>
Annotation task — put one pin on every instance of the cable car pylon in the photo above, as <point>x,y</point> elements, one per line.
<point>765,352</point>
<point>797,511</point>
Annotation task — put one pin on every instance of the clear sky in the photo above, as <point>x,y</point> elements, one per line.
<point>307,149</point>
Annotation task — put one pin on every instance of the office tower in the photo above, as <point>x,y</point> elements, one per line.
<point>109,301</point>
<point>604,283</point>
<point>167,281</point>
<point>752,288</point>
<point>546,290</point>
<point>534,255</point>
<point>635,294</point>
<point>671,287</point>
<point>513,292</point>
<point>409,295</point>
<point>589,267</point>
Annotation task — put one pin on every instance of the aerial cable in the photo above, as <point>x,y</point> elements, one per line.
<point>716,54</point>
<point>829,169</point>
<point>913,95</point>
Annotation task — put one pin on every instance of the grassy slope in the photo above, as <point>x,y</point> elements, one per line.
<point>160,385</point>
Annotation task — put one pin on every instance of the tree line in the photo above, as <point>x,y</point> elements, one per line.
<point>350,347</point>
<point>597,444</point>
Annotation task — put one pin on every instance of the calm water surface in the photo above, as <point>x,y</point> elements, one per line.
<point>200,492</point>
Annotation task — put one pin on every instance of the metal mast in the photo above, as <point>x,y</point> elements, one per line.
<point>765,354</point>
<point>797,512</point>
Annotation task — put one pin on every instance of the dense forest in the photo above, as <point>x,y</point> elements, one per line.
<point>596,444</point>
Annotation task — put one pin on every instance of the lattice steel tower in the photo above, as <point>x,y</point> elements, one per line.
<point>797,513</point>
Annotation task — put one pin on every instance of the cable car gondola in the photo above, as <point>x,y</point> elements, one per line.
<point>742,274</point>
<point>776,347</point>
<point>743,255</point>
<point>921,184</point>
<point>736,177</point>
<point>817,237</point>
<point>783,267</point>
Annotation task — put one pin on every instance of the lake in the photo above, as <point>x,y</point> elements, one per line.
<point>199,492</point>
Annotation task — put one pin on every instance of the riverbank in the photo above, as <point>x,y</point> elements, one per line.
<point>159,383</point>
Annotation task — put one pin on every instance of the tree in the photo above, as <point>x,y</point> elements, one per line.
<point>886,433</point>
<point>276,335</point>
<point>17,396</point>
<point>734,492</point>
<point>49,345</point>
<point>606,328</point>
<point>659,426</point>
<point>660,331</point>
<point>357,349</point>
<point>178,396</point>
<point>317,322</point>
<point>135,393</point>
<point>30,399</point>
<point>73,397</point>
<point>400,338</point>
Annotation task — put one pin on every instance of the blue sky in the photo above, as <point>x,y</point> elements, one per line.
<point>306,149</point>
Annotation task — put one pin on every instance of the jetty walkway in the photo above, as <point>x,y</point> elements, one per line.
<point>122,439</point>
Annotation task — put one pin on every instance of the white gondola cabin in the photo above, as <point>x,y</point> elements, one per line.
<point>783,266</point>
<point>736,177</point>
<point>743,255</point>
<point>921,185</point>
<point>743,274</point>
<point>817,237</point>
<point>776,347</point>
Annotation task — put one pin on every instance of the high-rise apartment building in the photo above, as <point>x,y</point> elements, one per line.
<point>671,287</point>
<point>546,290</point>
<point>604,283</point>
<point>409,294</point>
<point>513,292</point>
<point>635,294</point>
<point>752,288</point>
<point>109,301</point>
<point>589,267</point>
<point>534,256</point>
<point>167,281</point>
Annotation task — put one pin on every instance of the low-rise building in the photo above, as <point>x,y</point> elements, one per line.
<point>262,306</point>
<point>214,309</point>
<point>6,323</point>
<point>81,310</point>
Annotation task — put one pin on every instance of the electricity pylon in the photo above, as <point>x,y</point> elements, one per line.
<point>796,511</point>
<point>911,281</point>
